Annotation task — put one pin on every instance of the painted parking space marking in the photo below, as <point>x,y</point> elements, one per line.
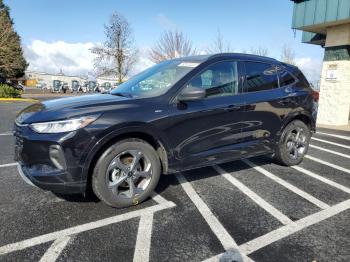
<point>143,241</point>
<point>6,134</point>
<point>285,231</point>
<point>328,164</point>
<point>56,249</point>
<point>330,142</point>
<point>82,228</point>
<point>330,151</point>
<point>334,135</point>
<point>256,198</point>
<point>10,164</point>
<point>225,238</point>
<point>217,228</point>
<point>322,179</point>
<point>287,185</point>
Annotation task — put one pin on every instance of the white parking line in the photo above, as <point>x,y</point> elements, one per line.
<point>10,164</point>
<point>56,249</point>
<point>329,142</point>
<point>328,164</point>
<point>333,135</point>
<point>252,195</point>
<point>218,229</point>
<point>143,241</point>
<point>280,233</point>
<point>6,134</point>
<point>287,185</point>
<point>159,199</point>
<point>81,228</point>
<point>330,151</point>
<point>324,180</point>
<point>221,233</point>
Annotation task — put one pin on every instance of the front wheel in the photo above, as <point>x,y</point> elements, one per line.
<point>293,144</point>
<point>126,173</point>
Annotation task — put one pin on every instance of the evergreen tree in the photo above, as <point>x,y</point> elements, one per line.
<point>12,62</point>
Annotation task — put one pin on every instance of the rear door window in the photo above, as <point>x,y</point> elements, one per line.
<point>286,78</point>
<point>260,77</point>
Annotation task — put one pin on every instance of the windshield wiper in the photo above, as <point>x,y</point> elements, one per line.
<point>122,94</point>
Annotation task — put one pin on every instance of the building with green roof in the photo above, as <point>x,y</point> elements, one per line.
<point>327,23</point>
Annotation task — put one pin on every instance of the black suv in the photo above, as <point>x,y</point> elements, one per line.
<point>177,115</point>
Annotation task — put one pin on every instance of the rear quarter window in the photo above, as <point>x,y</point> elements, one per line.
<point>285,78</point>
<point>302,81</point>
<point>259,77</point>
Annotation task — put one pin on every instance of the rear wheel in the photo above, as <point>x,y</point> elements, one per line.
<point>126,173</point>
<point>293,144</point>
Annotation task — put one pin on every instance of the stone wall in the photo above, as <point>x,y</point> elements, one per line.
<point>334,103</point>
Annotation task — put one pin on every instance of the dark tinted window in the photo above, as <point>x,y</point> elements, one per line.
<point>303,83</point>
<point>219,79</point>
<point>286,78</point>
<point>260,76</point>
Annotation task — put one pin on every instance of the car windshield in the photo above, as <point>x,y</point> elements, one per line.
<point>156,80</point>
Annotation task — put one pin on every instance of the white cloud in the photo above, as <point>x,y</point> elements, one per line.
<point>166,22</point>
<point>311,68</point>
<point>71,58</point>
<point>143,60</point>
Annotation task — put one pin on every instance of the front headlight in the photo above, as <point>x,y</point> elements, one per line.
<point>63,125</point>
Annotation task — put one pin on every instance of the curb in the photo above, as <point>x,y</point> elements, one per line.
<point>18,100</point>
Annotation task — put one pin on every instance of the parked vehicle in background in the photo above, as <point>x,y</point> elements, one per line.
<point>57,86</point>
<point>84,87</point>
<point>75,86</point>
<point>91,86</point>
<point>105,88</point>
<point>98,88</point>
<point>41,84</point>
<point>65,87</point>
<point>15,84</point>
<point>177,115</point>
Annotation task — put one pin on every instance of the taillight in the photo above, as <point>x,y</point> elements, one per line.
<point>315,95</point>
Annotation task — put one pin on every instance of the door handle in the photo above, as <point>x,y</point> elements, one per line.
<point>288,89</point>
<point>232,108</point>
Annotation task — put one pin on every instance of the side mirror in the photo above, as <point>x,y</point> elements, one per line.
<point>191,94</point>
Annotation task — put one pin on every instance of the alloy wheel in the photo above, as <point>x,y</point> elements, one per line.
<point>296,143</point>
<point>129,174</point>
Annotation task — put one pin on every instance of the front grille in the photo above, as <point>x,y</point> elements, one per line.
<point>18,142</point>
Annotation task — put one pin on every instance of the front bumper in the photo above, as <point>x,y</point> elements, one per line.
<point>23,176</point>
<point>57,182</point>
<point>52,162</point>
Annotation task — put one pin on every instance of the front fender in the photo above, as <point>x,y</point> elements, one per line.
<point>101,142</point>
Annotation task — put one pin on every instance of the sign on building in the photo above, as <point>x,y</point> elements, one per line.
<point>332,73</point>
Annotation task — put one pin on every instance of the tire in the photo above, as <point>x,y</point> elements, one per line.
<point>293,143</point>
<point>120,181</point>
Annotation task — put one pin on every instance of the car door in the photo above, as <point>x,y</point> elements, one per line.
<point>209,130</point>
<point>266,107</point>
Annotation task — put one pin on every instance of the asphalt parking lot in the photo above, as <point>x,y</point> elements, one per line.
<point>255,208</point>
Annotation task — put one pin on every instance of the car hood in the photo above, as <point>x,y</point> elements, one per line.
<point>64,108</point>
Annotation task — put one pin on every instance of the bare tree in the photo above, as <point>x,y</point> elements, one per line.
<point>261,51</point>
<point>288,55</point>
<point>118,54</point>
<point>172,44</point>
<point>219,45</point>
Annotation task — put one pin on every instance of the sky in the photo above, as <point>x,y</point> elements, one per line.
<point>58,34</point>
